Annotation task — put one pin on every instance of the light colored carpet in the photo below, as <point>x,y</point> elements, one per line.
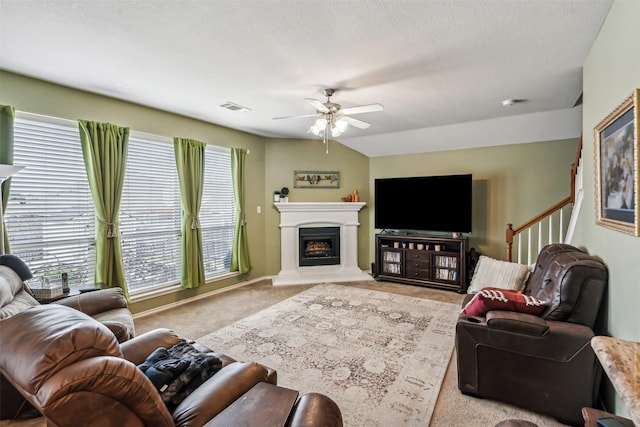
<point>380,356</point>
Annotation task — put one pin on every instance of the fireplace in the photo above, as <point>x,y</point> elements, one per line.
<point>329,253</point>
<point>319,246</point>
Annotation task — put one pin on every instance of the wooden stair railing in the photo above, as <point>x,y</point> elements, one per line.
<point>547,214</point>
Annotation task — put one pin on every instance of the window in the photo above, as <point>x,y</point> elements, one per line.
<point>50,214</point>
<point>217,211</point>
<point>150,214</point>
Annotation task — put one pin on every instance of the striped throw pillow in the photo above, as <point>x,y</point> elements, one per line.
<point>493,273</point>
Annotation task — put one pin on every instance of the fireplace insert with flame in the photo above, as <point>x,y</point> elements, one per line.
<point>319,246</point>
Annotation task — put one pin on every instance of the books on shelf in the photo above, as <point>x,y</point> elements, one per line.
<point>391,268</point>
<point>445,274</point>
<point>447,261</point>
<point>391,256</point>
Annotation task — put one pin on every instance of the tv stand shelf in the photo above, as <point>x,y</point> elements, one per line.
<point>434,261</point>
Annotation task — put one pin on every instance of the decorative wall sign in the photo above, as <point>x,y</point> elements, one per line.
<point>616,161</point>
<point>316,179</point>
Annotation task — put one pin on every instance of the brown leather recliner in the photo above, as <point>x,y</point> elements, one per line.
<point>542,363</point>
<point>109,306</point>
<point>69,367</point>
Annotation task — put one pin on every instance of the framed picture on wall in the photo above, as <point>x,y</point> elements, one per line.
<point>316,179</point>
<point>616,162</point>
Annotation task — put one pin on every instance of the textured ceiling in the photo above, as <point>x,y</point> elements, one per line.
<point>440,68</point>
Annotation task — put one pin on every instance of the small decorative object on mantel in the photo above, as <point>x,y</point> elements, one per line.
<point>316,179</point>
<point>276,196</point>
<point>284,193</point>
<point>353,197</point>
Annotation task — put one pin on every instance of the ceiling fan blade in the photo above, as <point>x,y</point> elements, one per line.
<point>295,117</point>
<point>317,104</point>
<point>355,122</point>
<point>363,109</point>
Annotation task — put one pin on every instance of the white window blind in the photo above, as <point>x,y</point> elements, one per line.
<point>150,214</point>
<point>50,214</point>
<point>217,211</point>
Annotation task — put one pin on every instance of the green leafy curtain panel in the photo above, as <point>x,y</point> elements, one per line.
<point>7,115</point>
<point>190,164</point>
<point>240,260</point>
<point>104,147</point>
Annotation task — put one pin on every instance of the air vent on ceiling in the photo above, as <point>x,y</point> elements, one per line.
<point>234,107</point>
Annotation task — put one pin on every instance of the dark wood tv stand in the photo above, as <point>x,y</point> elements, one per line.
<point>434,261</point>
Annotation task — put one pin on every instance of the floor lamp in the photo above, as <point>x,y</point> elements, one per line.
<point>6,172</point>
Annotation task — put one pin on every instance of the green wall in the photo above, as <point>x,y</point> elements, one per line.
<point>511,183</point>
<point>611,73</point>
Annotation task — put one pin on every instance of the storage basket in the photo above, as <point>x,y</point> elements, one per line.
<point>47,293</point>
<point>42,290</point>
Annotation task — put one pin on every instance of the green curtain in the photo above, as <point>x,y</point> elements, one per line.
<point>7,114</point>
<point>190,164</point>
<point>104,148</point>
<point>240,260</point>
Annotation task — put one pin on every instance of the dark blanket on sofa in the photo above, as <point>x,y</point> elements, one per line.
<point>179,370</point>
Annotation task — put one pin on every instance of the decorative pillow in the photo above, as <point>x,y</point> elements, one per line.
<point>493,273</point>
<point>500,299</point>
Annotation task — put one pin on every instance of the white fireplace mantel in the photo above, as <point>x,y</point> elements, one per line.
<point>293,216</point>
<point>319,206</point>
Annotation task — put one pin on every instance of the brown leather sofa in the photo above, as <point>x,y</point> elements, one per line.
<point>69,367</point>
<point>542,363</point>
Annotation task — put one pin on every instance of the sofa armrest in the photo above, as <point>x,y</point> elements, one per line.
<point>561,342</point>
<point>218,392</point>
<point>97,301</point>
<point>314,409</point>
<point>101,391</point>
<point>137,349</point>
<point>517,322</point>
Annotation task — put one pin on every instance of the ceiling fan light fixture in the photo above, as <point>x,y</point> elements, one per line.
<point>339,128</point>
<point>319,127</point>
<point>332,120</point>
<point>314,129</point>
<point>342,125</point>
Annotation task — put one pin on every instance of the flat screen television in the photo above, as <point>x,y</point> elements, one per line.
<point>423,203</point>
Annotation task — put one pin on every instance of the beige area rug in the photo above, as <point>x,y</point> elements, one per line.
<point>381,356</point>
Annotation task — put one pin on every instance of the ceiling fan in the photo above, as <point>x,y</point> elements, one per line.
<point>332,118</point>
